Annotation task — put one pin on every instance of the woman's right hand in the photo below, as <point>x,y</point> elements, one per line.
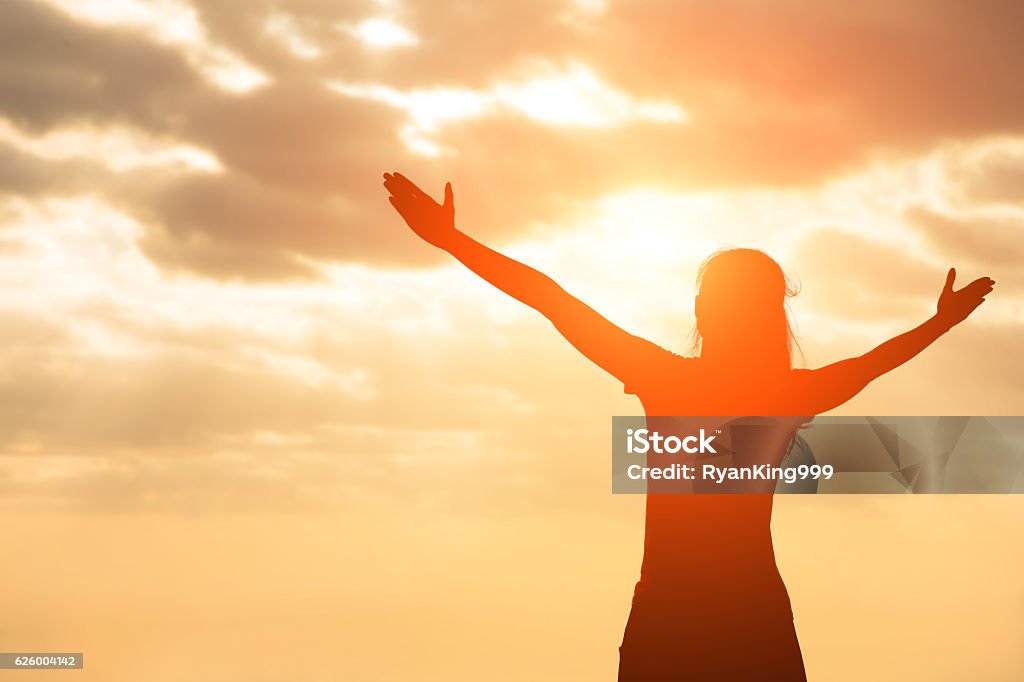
<point>433,222</point>
<point>955,306</point>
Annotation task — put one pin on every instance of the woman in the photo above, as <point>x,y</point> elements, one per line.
<point>710,604</point>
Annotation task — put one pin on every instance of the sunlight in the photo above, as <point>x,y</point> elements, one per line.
<point>556,96</point>
<point>576,96</point>
<point>272,413</point>
<point>382,33</point>
<point>427,109</point>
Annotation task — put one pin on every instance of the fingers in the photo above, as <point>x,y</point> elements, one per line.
<point>396,183</point>
<point>392,185</point>
<point>449,197</point>
<point>981,286</point>
<point>973,295</point>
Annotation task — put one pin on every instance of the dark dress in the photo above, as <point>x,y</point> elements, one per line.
<point>710,603</point>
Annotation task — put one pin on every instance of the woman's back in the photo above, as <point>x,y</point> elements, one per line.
<point>710,603</point>
<point>705,531</point>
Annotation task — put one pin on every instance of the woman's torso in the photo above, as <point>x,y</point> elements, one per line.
<point>713,550</point>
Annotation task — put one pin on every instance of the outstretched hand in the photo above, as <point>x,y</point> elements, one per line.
<point>955,306</point>
<point>433,222</point>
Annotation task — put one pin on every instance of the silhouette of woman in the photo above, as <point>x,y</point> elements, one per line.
<point>710,604</point>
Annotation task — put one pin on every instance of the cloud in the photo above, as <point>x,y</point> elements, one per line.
<point>996,241</point>
<point>563,108</point>
<point>852,276</point>
<point>993,174</point>
<point>570,96</point>
<point>171,23</point>
<point>869,75</point>
<point>57,72</point>
<point>382,33</point>
<point>119,149</point>
<point>286,30</point>
<point>215,272</point>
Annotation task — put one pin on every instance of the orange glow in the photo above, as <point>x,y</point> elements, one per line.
<point>246,409</point>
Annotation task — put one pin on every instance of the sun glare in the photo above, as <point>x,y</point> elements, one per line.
<point>576,96</point>
<point>382,33</point>
<point>571,95</point>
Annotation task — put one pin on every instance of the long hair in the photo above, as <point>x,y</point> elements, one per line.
<point>743,296</point>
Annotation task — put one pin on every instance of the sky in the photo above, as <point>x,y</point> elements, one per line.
<point>246,410</point>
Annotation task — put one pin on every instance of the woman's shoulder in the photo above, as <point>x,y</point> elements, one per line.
<point>660,370</point>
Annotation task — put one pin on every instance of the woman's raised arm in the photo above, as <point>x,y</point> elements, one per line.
<point>611,348</point>
<point>832,385</point>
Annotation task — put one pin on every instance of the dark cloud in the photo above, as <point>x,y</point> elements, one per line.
<point>865,75</point>
<point>54,71</point>
<point>28,176</point>
<point>25,175</point>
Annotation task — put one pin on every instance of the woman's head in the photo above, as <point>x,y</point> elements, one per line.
<point>741,310</point>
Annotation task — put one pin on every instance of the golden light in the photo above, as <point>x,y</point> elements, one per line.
<point>208,435</point>
<point>569,95</point>
<point>382,33</point>
<point>573,95</point>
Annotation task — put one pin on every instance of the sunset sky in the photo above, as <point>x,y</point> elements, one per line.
<point>253,429</point>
